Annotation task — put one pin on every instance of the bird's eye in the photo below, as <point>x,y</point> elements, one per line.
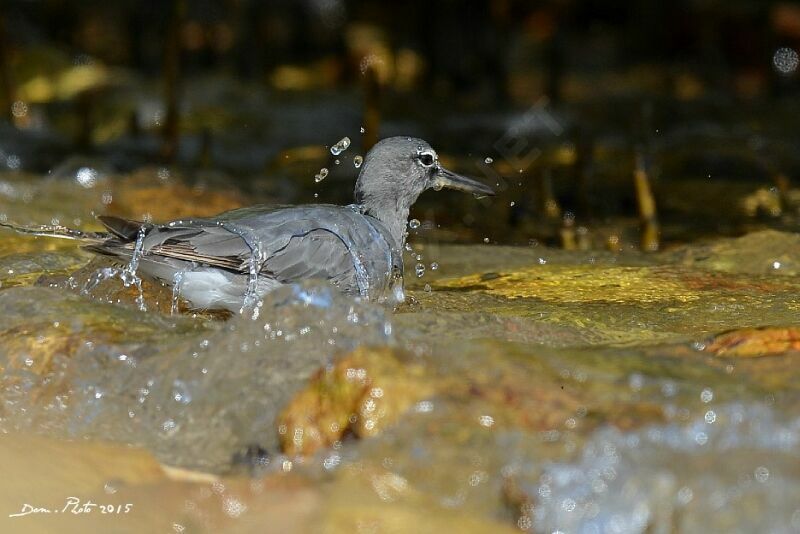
<point>426,159</point>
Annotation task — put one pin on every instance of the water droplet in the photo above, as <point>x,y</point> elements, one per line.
<point>785,60</point>
<point>323,173</point>
<point>427,288</point>
<point>485,239</point>
<point>486,420</point>
<point>86,177</point>
<point>341,146</point>
<point>434,266</point>
<point>488,161</point>
<point>362,129</point>
<point>413,224</point>
<point>419,269</point>
<point>357,161</point>
<point>761,474</point>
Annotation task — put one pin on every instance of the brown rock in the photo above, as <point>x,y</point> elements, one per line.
<point>362,393</point>
<point>755,342</point>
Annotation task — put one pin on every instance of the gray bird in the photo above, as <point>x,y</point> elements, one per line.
<point>226,261</point>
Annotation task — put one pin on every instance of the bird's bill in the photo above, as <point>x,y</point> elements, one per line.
<point>444,178</point>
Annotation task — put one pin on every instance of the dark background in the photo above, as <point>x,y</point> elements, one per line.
<point>567,99</point>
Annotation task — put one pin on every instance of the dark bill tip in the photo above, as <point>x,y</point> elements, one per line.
<point>444,178</point>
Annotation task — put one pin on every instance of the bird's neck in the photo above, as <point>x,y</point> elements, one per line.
<point>393,215</point>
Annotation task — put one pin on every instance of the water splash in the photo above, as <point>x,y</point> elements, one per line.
<point>341,146</point>
<point>177,283</point>
<point>321,175</point>
<point>255,261</point>
<point>192,392</point>
<point>128,274</point>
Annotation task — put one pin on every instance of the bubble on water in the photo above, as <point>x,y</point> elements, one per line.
<point>761,474</point>
<point>707,395</point>
<point>419,269</point>
<point>636,381</point>
<point>181,392</point>
<point>13,162</point>
<point>323,173</point>
<point>427,288</point>
<point>363,130</point>
<point>337,162</point>
<point>785,60</point>
<point>488,161</point>
<point>341,146</point>
<point>19,108</point>
<point>234,507</point>
<point>486,420</point>
<point>434,266</point>
<point>685,495</point>
<point>169,427</point>
<point>413,224</point>
<point>568,505</point>
<point>357,161</point>
<point>485,239</point>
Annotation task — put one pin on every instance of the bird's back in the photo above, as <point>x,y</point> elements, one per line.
<point>286,244</point>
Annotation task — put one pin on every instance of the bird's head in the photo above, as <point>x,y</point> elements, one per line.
<point>398,169</point>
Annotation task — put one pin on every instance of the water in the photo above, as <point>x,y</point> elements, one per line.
<point>128,274</point>
<point>177,283</point>
<point>196,393</point>
<point>667,478</point>
<point>340,146</point>
<point>321,175</point>
<point>516,387</point>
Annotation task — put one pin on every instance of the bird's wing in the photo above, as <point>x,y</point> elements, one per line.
<point>319,254</point>
<point>290,256</point>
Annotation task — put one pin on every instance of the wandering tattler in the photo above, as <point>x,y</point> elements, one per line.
<point>230,260</point>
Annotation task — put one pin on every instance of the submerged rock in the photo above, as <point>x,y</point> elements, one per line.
<point>755,342</point>
<point>362,393</point>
